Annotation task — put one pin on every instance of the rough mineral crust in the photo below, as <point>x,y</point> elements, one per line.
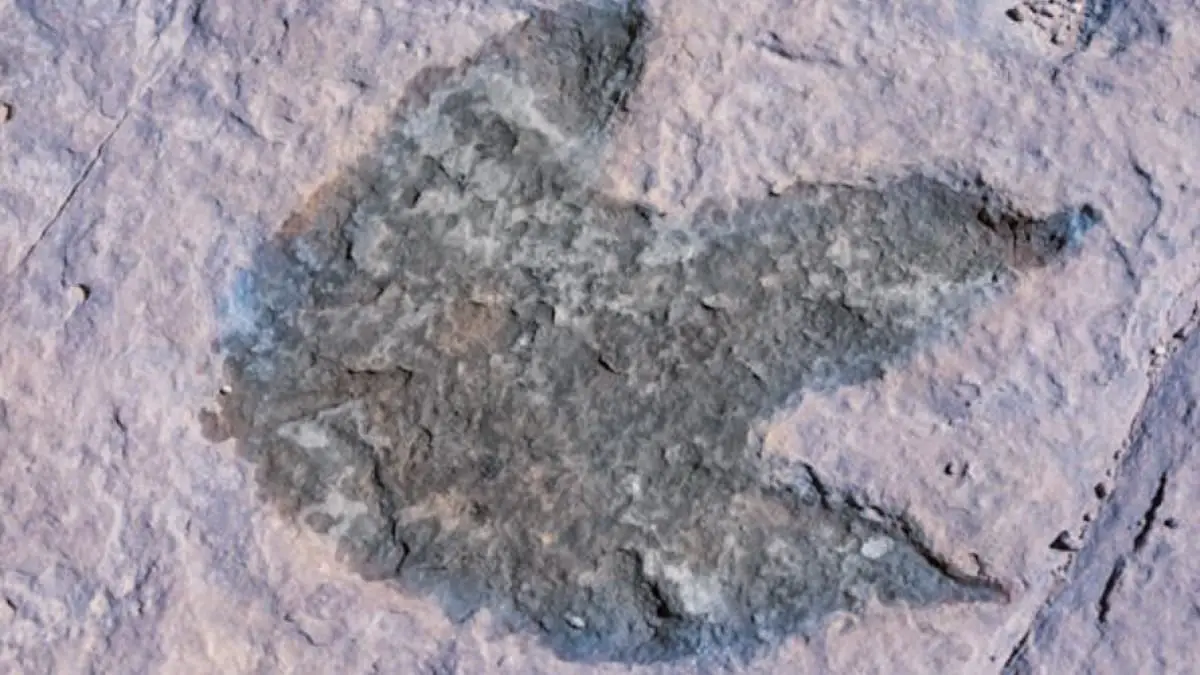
<point>497,387</point>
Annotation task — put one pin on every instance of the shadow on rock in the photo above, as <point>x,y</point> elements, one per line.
<point>498,388</point>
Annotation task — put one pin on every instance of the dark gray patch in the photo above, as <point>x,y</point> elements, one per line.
<point>495,387</point>
<point>1120,24</point>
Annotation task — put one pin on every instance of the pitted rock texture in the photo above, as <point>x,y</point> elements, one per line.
<point>493,385</point>
<point>1076,24</point>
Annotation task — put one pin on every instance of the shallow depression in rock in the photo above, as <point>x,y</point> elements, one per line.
<point>497,387</point>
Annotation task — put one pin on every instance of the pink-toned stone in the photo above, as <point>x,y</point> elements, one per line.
<point>150,146</point>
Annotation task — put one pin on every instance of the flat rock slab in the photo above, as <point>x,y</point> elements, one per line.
<point>597,338</point>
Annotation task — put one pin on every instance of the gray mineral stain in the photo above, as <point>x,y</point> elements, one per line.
<point>497,388</point>
<point>1121,24</point>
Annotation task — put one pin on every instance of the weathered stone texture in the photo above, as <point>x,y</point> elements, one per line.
<point>1029,432</point>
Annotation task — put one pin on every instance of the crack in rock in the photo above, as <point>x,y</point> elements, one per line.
<point>496,387</point>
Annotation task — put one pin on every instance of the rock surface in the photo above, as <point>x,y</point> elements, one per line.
<point>714,212</point>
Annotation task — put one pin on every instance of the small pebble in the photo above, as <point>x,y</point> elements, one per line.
<point>1170,523</point>
<point>78,294</point>
<point>226,390</point>
<point>875,548</point>
<point>6,112</point>
<point>575,622</point>
<point>99,606</point>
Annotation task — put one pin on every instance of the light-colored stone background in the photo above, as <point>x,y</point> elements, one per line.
<point>148,146</point>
